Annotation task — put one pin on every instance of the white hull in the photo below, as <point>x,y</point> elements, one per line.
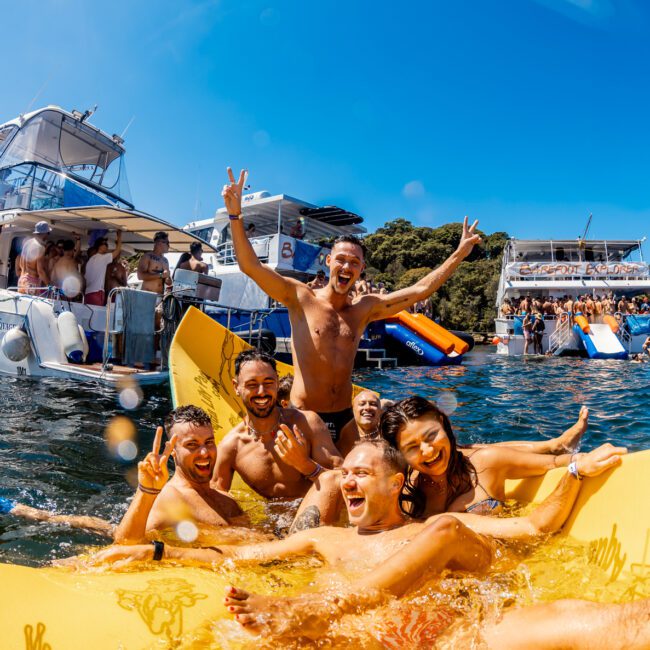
<point>513,344</point>
<point>47,357</point>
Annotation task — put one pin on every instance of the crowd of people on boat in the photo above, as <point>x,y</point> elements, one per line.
<point>44,265</point>
<point>593,307</point>
<point>416,501</point>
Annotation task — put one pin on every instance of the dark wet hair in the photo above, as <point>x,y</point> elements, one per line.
<point>192,414</point>
<point>253,355</point>
<point>195,246</point>
<point>67,245</point>
<point>351,239</point>
<point>461,474</point>
<point>185,257</point>
<point>284,387</point>
<point>391,456</point>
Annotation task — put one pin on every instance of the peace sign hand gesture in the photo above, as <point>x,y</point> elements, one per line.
<point>152,471</point>
<point>469,238</point>
<point>232,193</point>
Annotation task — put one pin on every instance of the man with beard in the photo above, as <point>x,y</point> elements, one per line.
<point>278,452</point>
<point>326,325</point>
<point>367,410</point>
<point>391,552</point>
<point>189,495</point>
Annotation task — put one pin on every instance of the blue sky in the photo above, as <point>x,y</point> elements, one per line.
<point>525,114</point>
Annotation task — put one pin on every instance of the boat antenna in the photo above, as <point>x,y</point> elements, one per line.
<point>126,128</point>
<point>87,113</point>
<point>584,234</point>
<point>40,90</point>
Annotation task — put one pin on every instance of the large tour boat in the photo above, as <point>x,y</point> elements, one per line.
<point>57,168</point>
<point>572,268</point>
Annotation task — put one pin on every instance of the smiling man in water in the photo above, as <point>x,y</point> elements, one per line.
<point>326,325</point>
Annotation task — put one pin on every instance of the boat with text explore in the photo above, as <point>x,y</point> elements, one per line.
<point>587,293</point>
<point>63,193</point>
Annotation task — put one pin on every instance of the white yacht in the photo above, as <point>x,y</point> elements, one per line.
<point>549,268</point>
<point>58,168</point>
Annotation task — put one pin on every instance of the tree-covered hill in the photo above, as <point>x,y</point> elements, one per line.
<point>400,253</point>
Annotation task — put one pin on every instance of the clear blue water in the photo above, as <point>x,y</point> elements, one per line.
<point>53,454</point>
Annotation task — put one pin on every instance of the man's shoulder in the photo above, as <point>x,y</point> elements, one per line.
<point>233,437</point>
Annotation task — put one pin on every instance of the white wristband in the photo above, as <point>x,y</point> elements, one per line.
<point>573,470</point>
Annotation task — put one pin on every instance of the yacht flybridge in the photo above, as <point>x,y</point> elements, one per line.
<point>572,268</point>
<point>58,168</point>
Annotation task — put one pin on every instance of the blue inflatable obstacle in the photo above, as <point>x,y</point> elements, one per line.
<point>600,342</point>
<point>427,353</point>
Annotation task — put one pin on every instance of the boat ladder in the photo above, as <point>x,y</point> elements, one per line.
<point>625,337</point>
<point>562,337</point>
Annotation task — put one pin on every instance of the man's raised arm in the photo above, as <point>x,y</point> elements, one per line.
<point>553,512</point>
<point>275,285</point>
<point>392,303</point>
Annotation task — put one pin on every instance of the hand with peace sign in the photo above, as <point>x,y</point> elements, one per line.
<point>153,473</point>
<point>232,193</point>
<point>292,447</point>
<point>469,238</point>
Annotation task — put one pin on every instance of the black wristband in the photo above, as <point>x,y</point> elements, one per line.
<point>158,550</point>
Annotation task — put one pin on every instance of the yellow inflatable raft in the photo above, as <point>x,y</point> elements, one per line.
<point>170,607</point>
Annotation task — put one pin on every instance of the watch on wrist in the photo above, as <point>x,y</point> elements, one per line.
<point>158,550</point>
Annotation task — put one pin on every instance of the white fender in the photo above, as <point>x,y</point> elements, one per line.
<point>16,345</point>
<point>71,339</point>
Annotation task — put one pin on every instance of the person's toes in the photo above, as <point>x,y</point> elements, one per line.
<point>245,619</point>
<point>238,609</point>
<point>236,594</point>
<point>584,413</point>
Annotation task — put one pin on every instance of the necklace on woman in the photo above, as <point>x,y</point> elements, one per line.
<point>259,434</point>
<point>438,486</point>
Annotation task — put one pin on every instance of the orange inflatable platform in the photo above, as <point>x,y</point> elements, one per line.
<point>431,332</point>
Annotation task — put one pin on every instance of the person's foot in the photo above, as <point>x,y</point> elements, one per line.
<point>275,616</point>
<point>570,440</point>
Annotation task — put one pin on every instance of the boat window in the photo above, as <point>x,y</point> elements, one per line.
<point>203,233</point>
<point>6,132</point>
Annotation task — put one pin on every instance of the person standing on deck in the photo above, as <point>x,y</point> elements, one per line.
<point>153,268</point>
<point>96,270</point>
<point>325,325</point>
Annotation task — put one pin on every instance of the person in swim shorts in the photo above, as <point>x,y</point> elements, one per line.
<point>32,263</point>
<point>326,325</point>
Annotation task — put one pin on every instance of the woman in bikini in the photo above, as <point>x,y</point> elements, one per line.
<point>446,477</point>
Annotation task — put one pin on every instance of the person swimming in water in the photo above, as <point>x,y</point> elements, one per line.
<point>326,326</point>
<point>160,504</point>
<point>279,452</point>
<point>373,475</point>
<point>367,410</point>
<point>444,477</point>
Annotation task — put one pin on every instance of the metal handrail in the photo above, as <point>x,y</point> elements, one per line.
<point>107,330</point>
<point>560,337</point>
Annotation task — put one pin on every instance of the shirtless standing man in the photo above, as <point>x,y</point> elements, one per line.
<point>278,452</point>
<point>32,264</point>
<point>153,268</point>
<point>66,275</point>
<point>326,325</point>
<point>195,263</point>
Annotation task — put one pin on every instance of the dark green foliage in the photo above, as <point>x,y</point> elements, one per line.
<point>399,254</point>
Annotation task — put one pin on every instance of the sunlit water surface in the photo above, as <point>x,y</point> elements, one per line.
<point>53,455</point>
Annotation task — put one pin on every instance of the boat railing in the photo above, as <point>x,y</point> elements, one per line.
<point>562,334</point>
<point>623,331</point>
<point>226,251</point>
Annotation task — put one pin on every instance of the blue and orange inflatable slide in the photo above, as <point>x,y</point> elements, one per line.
<point>427,341</point>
